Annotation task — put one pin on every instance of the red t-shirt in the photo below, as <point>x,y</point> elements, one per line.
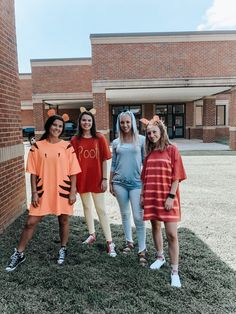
<point>160,169</point>
<point>91,152</point>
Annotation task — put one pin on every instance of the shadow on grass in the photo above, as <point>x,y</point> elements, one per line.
<point>92,282</point>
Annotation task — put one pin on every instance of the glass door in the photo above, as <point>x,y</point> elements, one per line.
<point>174,119</point>
<point>178,121</point>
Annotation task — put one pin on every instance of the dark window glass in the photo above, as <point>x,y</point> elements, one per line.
<point>179,109</point>
<point>161,109</point>
<point>220,115</point>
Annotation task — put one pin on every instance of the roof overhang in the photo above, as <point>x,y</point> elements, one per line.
<point>162,95</point>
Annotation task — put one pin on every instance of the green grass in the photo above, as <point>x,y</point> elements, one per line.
<point>92,282</point>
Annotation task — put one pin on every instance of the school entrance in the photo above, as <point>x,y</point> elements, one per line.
<point>173,116</point>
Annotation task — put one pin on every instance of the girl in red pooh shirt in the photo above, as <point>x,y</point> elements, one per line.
<point>93,152</point>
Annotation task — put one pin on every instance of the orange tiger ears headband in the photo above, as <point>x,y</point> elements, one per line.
<point>152,121</point>
<point>52,112</point>
<point>83,109</point>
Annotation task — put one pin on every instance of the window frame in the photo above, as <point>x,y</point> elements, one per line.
<point>224,118</point>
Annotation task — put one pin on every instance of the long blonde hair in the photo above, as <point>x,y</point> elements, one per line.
<point>134,129</point>
<point>163,142</point>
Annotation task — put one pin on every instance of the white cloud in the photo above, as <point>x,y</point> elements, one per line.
<point>221,15</point>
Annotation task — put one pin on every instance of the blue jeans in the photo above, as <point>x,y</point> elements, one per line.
<point>125,198</point>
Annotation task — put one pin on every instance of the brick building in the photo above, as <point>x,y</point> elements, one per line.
<point>187,78</point>
<point>12,178</point>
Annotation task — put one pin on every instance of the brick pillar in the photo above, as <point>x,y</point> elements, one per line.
<point>232,119</point>
<point>102,114</point>
<point>189,116</point>
<point>149,111</point>
<point>39,119</point>
<point>209,119</point>
<point>12,176</point>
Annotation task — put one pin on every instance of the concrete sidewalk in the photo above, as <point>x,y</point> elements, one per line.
<point>198,145</point>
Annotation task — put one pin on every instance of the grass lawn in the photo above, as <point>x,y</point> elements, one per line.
<point>92,282</point>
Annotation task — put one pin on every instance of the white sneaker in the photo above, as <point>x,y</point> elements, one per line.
<point>111,249</point>
<point>175,280</point>
<point>159,262</point>
<point>90,240</point>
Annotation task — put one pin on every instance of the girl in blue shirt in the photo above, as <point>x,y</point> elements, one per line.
<point>125,182</point>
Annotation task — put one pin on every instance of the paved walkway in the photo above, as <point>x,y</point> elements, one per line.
<point>198,145</point>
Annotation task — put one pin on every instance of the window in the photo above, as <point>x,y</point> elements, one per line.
<point>178,109</point>
<point>161,109</point>
<point>198,116</point>
<point>220,114</point>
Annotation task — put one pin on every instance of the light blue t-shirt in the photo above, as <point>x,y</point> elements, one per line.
<point>127,160</point>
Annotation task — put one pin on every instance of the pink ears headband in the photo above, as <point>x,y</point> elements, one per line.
<point>52,112</point>
<point>152,121</point>
<point>83,109</point>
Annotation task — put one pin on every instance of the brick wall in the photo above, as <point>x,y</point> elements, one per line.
<point>25,88</point>
<point>196,133</point>
<point>209,119</point>
<point>12,190</point>
<point>149,111</point>
<point>73,113</point>
<point>102,114</point>
<point>189,114</point>
<point>62,79</point>
<point>27,118</point>
<point>12,183</point>
<point>222,132</point>
<point>164,60</point>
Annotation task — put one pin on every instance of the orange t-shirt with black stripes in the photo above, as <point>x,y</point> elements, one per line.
<point>53,164</point>
<point>160,169</point>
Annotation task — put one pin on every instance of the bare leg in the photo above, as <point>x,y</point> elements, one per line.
<point>64,229</point>
<point>28,231</point>
<point>157,236</point>
<point>173,243</point>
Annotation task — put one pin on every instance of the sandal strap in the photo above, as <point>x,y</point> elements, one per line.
<point>129,247</point>
<point>142,259</point>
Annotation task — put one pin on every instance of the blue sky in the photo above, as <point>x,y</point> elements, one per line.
<point>61,28</point>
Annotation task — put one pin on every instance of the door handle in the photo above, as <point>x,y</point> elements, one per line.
<point>174,128</point>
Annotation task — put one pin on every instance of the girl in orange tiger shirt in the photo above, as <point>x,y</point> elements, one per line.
<point>53,166</point>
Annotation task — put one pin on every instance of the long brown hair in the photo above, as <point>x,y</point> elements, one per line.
<point>163,142</point>
<point>93,130</point>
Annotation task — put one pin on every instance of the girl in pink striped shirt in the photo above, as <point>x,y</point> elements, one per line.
<point>162,171</point>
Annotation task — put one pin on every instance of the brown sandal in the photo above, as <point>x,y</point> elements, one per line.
<point>142,259</point>
<point>129,247</point>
